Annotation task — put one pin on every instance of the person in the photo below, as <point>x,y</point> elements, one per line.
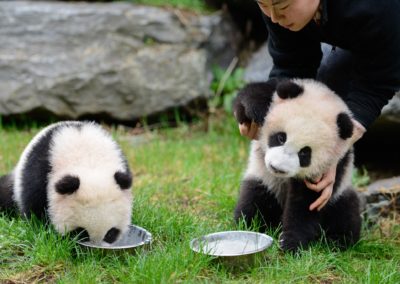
<point>352,46</point>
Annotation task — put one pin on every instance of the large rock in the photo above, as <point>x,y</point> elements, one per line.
<point>119,59</point>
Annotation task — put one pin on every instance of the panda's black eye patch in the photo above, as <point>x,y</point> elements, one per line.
<point>111,235</point>
<point>277,139</point>
<point>67,185</point>
<point>305,156</point>
<point>124,180</point>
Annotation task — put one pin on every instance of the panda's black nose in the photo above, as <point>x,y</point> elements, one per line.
<point>111,235</point>
<point>277,171</point>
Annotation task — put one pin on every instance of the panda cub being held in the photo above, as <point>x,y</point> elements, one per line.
<point>74,175</point>
<point>304,129</point>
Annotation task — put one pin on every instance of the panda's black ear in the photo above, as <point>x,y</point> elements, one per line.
<point>345,125</point>
<point>288,90</point>
<point>67,185</point>
<point>124,180</point>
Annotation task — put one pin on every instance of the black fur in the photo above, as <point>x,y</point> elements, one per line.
<point>80,233</point>
<point>6,193</point>
<point>340,219</point>
<point>124,180</point>
<point>35,172</point>
<point>256,200</point>
<point>345,125</point>
<point>288,90</point>
<point>340,170</point>
<point>277,139</point>
<point>34,178</point>
<point>300,226</point>
<point>111,235</point>
<point>67,185</point>
<point>305,156</point>
<point>252,102</point>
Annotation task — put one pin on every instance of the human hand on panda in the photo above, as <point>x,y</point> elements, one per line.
<point>326,182</point>
<point>249,129</point>
<point>251,105</point>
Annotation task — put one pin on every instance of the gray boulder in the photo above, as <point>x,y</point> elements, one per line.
<point>123,60</point>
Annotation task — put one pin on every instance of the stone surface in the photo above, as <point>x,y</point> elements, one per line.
<point>380,198</point>
<point>119,59</point>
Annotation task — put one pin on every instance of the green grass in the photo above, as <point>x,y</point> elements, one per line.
<point>193,5</point>
<point>185,185</point>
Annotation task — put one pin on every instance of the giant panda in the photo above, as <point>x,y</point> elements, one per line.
<point>304,129</point>
<point>74,175</point>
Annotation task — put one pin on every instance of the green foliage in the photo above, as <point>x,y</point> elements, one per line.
<point>194,5</point>
<point>225,86</point>
<point>360,177</point>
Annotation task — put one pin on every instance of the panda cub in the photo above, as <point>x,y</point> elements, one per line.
<point>304,129</point>
<point>74,175</point>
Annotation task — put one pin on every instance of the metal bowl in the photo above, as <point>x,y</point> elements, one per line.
<point>135,237</point>
<point>238,248</point>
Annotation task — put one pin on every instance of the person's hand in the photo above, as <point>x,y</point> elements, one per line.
<point>249,130</point>
<point>325,184</point>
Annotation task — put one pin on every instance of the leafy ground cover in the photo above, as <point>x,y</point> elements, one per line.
<point>186,183</point>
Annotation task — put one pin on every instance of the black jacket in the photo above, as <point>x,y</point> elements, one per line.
<point>369,29</point>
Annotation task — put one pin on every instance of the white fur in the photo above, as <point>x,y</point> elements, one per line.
<point>307,120</point>
<point>20,167</point>
<point>257,169</point>
<point>92,155</point>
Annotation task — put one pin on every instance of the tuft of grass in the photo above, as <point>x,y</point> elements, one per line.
<point>193,5</point>
<point>186,184</point>
<point>360,177</point>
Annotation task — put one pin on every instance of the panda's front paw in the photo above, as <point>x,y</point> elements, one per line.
<point>291,242</point>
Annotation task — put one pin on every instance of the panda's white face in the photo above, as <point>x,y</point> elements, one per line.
<point>89,189</point>
<point>300,139</point>
<point>94,205</point>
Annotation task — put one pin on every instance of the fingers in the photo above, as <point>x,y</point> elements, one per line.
<point>244,129</point>
<point>253,133</point>
<point>326,185</point>
<point>249,130</point>
<point>327,179</point>
<point>323,199</point>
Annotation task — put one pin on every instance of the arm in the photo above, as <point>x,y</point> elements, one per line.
<point>294,54</point>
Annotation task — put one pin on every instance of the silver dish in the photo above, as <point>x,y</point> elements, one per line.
<point>238,248</point>
<point>135,237</point>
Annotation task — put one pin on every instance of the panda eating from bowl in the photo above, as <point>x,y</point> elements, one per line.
<point>305,128</point>
<point>74,175</point>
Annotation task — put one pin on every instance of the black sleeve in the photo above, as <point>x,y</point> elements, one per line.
<point>377,66</point>
<point>294,54</point>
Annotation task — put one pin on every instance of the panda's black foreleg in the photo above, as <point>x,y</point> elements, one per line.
<point>300,226</point>
<point>341,220</point>
<point>6,194</point>
<point>255,201</point>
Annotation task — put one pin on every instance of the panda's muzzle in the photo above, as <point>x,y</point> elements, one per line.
<point>278,171</point>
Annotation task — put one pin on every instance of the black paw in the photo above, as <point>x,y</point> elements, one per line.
<point>291,242</point>
<point>252,102</point>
